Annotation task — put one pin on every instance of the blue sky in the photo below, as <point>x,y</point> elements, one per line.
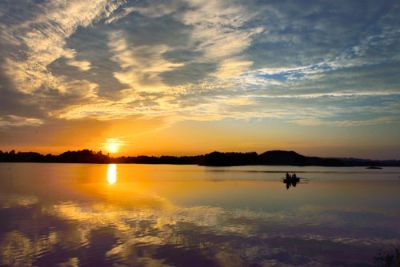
<point>299,65</point>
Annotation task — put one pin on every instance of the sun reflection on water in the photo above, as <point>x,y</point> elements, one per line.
<point>112,174</point>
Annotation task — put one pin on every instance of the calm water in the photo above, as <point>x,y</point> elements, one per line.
<point>165,215</point>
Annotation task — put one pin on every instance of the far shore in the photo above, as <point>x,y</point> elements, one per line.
<point>275,157</point>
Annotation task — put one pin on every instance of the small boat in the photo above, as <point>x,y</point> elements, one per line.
<point>291,180</point>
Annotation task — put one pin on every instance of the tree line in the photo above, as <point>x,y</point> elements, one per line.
<point>275,157</point>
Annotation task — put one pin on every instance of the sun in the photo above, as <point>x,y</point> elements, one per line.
<point>112,145</point>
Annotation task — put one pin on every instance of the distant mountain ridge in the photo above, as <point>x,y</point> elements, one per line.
<point>274,157</point>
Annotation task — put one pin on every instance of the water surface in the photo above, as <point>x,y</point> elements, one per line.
<point>168,215</point>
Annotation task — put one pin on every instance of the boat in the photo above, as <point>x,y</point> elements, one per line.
<point>291,180</point>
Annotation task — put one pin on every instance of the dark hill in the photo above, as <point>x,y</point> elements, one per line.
<point>279,157</point>
<point>229,159</point>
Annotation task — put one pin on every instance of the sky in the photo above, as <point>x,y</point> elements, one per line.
<point>189,76</point>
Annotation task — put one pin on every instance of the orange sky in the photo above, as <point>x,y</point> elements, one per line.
<point>157,137</point>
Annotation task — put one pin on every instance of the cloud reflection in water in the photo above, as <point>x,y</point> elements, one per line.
<point>140,224</point>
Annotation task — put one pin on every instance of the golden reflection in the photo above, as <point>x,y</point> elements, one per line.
<point>112,174</point>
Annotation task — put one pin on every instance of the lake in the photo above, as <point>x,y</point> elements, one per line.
<point>171,215</point>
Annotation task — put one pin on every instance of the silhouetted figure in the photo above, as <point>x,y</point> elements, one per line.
<point>291,180</point>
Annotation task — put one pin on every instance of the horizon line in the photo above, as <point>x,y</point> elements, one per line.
<point>112,155</point>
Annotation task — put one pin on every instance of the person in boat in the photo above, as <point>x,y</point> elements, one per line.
<point>287,176</point>
<point>294,176</point>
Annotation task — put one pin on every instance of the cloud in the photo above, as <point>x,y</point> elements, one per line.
<point>44,38</point>
<point>219,33</point>
<point>12,120</point>
<point>207,60</point>
<point>140,65</point>
<point>232,68</point>
<point>38,40</point>
<point>82,65</point>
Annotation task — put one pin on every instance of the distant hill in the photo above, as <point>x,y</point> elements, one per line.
<point>275,157</point>
<point>280,157</point>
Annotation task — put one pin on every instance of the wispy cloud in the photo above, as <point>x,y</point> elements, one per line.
<point>44,38</point>
<point>140,65</point>
<point>12,120</point>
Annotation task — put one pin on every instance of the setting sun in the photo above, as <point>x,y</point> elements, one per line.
<point>112,145</point>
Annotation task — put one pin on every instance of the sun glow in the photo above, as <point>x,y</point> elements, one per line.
<point>112,174</point>
<point>112,145</point>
